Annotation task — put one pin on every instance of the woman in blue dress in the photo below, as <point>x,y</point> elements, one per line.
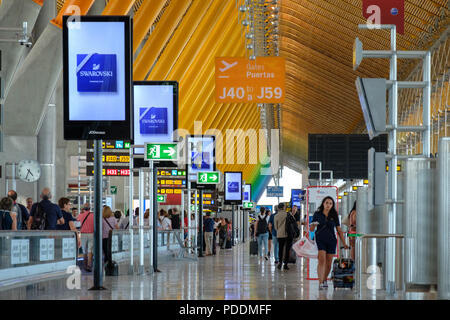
<point>326,220</point>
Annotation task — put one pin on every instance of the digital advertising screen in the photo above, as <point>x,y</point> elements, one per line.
<point>296,197</point>
<point>200,155</point>
<point>247,195</point>
<point>97,78</point>
<point>155,112</point>
<point>233,188</point>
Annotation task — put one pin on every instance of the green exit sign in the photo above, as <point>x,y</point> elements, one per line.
<point>161,198</point>
<point>193,207</point>
<point>247,205</point>
<point>161,152</point>
<point>113,189</point>
<point>212,177</point>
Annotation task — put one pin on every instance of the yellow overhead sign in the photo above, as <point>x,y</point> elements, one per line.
<point>241,80</point>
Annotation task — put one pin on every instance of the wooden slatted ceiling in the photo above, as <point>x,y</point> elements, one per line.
<point>317,41</point>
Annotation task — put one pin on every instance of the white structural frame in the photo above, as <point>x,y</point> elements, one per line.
<point>393,85</point>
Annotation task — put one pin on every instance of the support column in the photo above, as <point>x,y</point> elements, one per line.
<point>46,150</point>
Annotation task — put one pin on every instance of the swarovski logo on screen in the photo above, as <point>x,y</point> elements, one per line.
<point>153,120</point>
<point>96,72</point>
<point>233,186</point>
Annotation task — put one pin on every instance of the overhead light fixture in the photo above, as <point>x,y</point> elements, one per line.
<point>249,35</point>
<point>250,46</point>
<point>252,57</point>
<point>243,8</point>
<point>245,22</point>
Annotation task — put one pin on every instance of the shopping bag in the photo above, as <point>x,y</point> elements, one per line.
<point>306,248</point>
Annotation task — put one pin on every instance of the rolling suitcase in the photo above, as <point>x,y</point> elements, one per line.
<point>111,269</point>
<point>253,247</point>
<point>343,274</point>
<point>292,256</point>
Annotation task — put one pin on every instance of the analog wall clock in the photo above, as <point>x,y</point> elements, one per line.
<point>29,170</point>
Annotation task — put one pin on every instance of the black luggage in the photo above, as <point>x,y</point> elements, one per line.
<point>111,268</point>
<point>343,274</point>
<point>228,243</point>
<point>292,256</point>
<point>253,247</point>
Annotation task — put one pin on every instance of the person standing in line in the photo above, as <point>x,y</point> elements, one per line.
<point>53,212</point>
<point>273,231</point>
<point>29,203</point>
<point>282,237</point>
<point>86,219</point>
<point>109,222</point>
<point>69,220</point>
<point>296,214</point>
<point>262,233</point>
<point>22,213</point>
<point>209,230</point>
<point>326,220</point>
<point>8,218</point>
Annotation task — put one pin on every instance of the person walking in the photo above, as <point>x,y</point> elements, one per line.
<point>268,214</point>
<point>262,233</point>
<point>352,229</point>
<point>273,231</point>
<point>326,220</point>
<point>209,230</point>
<point>284,241</point>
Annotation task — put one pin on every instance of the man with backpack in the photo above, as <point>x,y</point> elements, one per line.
<point>262,233</point>
<point>287,230</point>
<point>45,215</point>
<point>20,210</point>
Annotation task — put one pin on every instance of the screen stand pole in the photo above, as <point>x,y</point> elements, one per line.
<point>98,181</point>
<point>154,179</point>
<point>232,224</point>
<point>244,213</point>
<point>200,224</point>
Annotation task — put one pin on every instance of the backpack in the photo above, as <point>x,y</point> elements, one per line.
<point>292,229</point>
<point>5,220</point>
<point>39,218</point>
<point>262,226</point>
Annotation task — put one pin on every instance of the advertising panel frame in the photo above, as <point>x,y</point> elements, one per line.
<point>98,129</point>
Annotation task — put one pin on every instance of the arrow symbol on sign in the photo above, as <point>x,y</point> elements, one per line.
<point>171,151</point>
<point>214,178</point>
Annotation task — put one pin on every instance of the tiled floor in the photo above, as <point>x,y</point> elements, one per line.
<point>231,274</point>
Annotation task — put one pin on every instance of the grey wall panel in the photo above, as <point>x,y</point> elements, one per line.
<point>443,212</point>
<point>419,222</point>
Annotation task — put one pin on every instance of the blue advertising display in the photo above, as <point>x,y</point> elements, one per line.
<point>233,187</point>
<point>97,78</point>
<point>201,155</point>
<point>247,192</point>
<point>297,195</point>
<point>267,207</point>
<point>155,112</point>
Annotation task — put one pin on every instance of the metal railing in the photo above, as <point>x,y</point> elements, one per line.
<point>372,257</point>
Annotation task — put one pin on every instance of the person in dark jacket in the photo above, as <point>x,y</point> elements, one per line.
<point>22,212</point>
<point>326,220</point>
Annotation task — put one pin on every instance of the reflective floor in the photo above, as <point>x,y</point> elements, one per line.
<point>231,274</point>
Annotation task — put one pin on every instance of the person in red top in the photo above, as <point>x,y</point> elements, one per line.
<point>86,219</point>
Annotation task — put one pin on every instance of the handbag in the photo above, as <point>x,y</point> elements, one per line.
<point>306,248</point>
